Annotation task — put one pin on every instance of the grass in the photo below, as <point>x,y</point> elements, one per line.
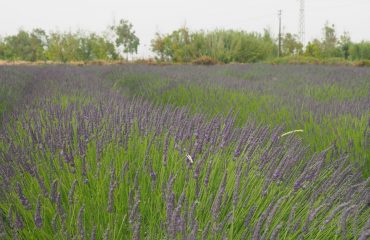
<point>320,61</point>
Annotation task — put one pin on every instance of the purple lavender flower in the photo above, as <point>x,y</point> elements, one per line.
<point>153,177</point>
<point>112,186</point>
<point>218,200</point>
<point>60,209</point>
<point>93,233</point>
<point>236,186</point>
<point>2,228</point>
<point>335,211</point>
<point>224,222</point>
<point>258,226</point>
<point>80,222</point>
<point>37,218</point>
<point>291,217</point>
<point>313,213</point>
<point>54,190</point>
<point>54,222</point>
<point>275,232</point>
<point>42,185</point>
<point>106,233</point>
<point>194,231</point>
<point>18,222</point>
<point>10,216</point>
<point>208,172</point>
<point>136,229</point>
<point>23,198</point>
<point>135,212</point>
<point>71,192</point>
<point>249,216</point>
<point>365,234</point>
<point>343,220</point>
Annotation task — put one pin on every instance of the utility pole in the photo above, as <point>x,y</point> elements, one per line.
<point>279,49</point>
<point>301,21</point>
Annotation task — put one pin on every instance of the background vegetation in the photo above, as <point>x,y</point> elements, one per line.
<point>183,46</point>
<point>116,43</point>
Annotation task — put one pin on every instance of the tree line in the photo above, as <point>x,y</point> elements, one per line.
<point>238,46</point>
<point>222,45</point>
<point>182,45</point>
<point>116,43</point>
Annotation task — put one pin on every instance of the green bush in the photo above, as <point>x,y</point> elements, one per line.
<point>205,60</point>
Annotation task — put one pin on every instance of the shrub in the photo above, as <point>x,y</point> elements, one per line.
<point>205,60</point>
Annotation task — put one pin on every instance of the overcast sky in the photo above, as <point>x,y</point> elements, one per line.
<point>151,16</point>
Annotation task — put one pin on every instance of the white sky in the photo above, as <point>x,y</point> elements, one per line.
<point>164,16</point>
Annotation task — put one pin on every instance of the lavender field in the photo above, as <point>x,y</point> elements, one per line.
<point>184,152</point>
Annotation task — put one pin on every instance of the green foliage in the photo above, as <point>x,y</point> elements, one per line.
<point>25,46</point>
<point>180,46</point>
<point>176,46</point>
<point>66,47</point>
<point>226,46</point>
<point>313,49</point>
<point>329,42</point>
<point>344,43</point>
<point>222,45</point>
<point>317,60</point>
<point>360,50</point>
<point>291,45</point>
<point>37,45</point>
<point>125,37</point>
<point>330,46</point>
<point>62,47</point>
<point>204,60</point>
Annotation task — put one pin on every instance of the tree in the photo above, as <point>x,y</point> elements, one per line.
<point>344,43</point>
<point>18,46</point>
<point>180,41</point>
<point>358,51</point>
<point>64,47</point>
<point>313,49</point>
<point>125,38</point>
<point>25,46</point>
<point>161,45</point>
<point>38,41</point>
<point>2,49</point>
<point>221,45</point>
<point>176,46</point>
<point>330,42</point>
<point>291,46</point>
<point>100,48</point>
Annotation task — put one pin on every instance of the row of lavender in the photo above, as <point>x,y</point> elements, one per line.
<point>117,168</point>
<point>334,90</point>
<point>331,104</point>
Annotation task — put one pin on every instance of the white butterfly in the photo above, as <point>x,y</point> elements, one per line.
<point>189,158</point>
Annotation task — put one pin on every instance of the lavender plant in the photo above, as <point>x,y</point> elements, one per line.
<point>83,161</point>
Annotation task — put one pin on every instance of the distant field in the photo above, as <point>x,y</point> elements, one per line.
<point>331,104</point>
<point>184,152</point>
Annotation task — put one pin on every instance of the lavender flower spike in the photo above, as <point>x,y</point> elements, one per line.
<point>37,218</point>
